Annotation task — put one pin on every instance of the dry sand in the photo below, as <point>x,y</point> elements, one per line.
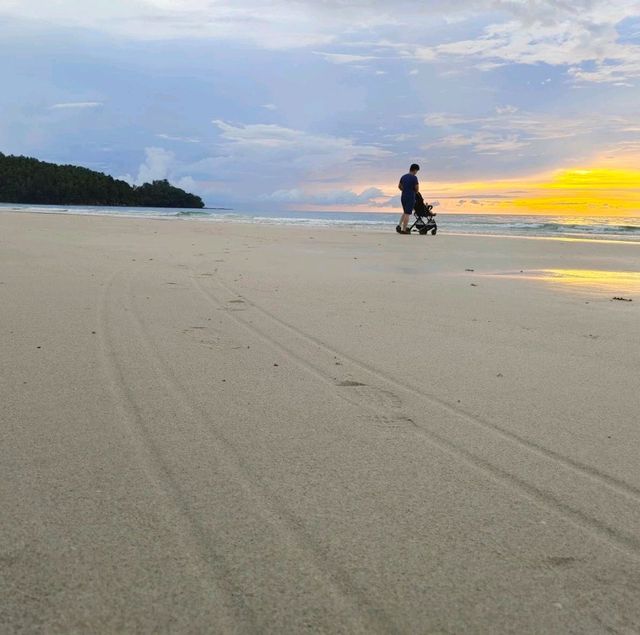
<point>232,428</point>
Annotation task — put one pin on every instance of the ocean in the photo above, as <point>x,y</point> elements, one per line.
<point>596,227</point>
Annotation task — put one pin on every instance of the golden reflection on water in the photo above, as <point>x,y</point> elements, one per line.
<point>623,282</point>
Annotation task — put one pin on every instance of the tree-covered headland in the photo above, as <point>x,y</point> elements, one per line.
<point>26,180</point>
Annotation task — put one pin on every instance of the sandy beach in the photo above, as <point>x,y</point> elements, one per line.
<point>230,428</point>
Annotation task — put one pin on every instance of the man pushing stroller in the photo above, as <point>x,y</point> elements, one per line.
<point>412,200</point>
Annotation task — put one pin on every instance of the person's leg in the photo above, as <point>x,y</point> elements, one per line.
<point>407,210</point>
<point>402,223</point>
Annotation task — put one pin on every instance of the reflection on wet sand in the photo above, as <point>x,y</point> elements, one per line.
<point>594,280</point>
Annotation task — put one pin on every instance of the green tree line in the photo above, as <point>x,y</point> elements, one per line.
<point>27,180</point>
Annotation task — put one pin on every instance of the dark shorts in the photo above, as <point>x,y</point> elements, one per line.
<point>408,204</point>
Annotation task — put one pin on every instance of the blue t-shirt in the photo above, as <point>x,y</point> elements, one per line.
<point>409,182</point>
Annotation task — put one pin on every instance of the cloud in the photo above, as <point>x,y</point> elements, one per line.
<point>285,196</point>
<point>510,129</point>
<point>506,110</point>
<point>159,164</point>
<point>174,138</point>
<point>187,183</point>
<point>156,166</point>
<point>279,25</point>
<point>444,119</point>
<point>337,197</point>
<point>573,35</point>
<point>295,166</point>
<point>343,58</point>
<point>481,142</point>
<point>581,35</point>
<point>269,144</point>
<point>76,105</point>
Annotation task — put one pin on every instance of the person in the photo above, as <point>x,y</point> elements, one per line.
<point>409,186</point>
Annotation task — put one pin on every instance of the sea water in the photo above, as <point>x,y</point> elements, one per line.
<point>598,227</point>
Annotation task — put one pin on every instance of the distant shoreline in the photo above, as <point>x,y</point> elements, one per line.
<point>610,229</point>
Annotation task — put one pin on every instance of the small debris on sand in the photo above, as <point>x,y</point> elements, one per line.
<point>621,299</point>
<point>469,269</point>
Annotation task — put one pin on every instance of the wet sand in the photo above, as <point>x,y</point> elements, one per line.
<point>233,428</point>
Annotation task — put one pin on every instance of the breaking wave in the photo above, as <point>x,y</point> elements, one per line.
<point>610,228</point>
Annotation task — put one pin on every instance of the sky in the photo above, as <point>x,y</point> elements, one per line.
<point>509,106</point>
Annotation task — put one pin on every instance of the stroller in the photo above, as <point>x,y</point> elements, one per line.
<point>425,218</point>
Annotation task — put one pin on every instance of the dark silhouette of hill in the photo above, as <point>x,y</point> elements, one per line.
<point>27,180</point>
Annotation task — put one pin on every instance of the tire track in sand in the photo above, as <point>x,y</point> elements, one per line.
<point>609,510</point>
<point>620,486</point>
<point>352,606</point>
<point>235,616</point>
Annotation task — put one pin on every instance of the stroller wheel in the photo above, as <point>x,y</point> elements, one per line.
<point>433,231</point>
<point>423,231</point>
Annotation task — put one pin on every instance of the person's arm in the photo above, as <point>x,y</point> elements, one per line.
<point>400,185</point>
<point>417,185</point>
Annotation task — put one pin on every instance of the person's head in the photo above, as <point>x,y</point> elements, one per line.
<point>414,168</point>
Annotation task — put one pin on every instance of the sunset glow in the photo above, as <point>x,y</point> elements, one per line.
<point>575,192</point>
